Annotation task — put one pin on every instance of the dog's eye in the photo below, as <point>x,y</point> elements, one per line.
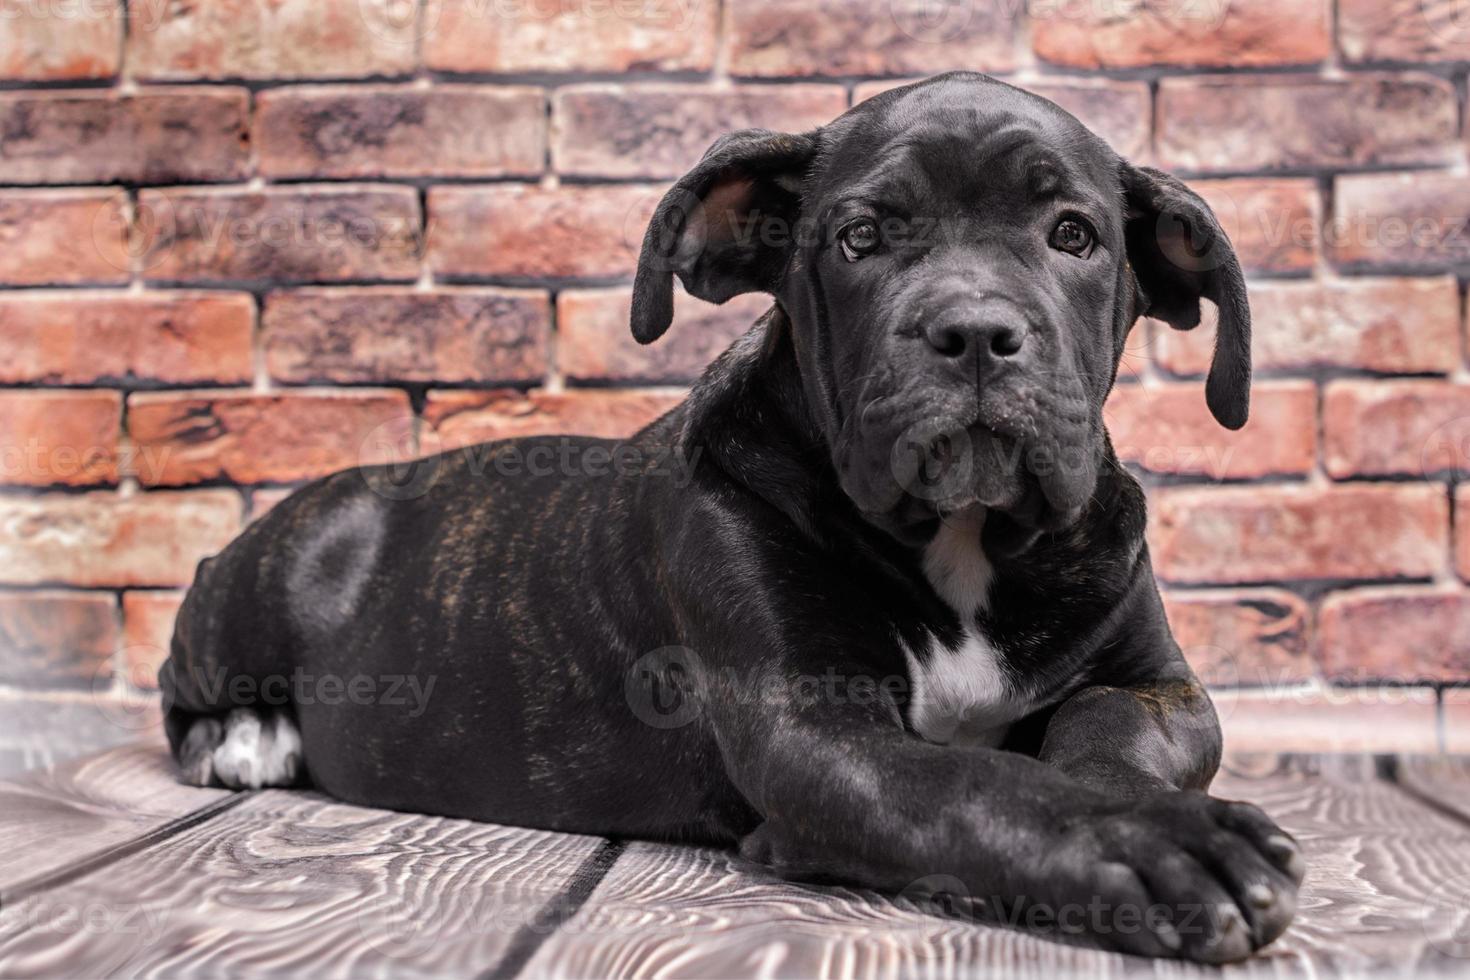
<point>1072,236</point>
<point>858,239</point>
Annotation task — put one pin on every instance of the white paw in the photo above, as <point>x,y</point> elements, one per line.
<point>257,751</point>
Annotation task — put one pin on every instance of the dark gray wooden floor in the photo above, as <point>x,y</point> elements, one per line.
<point>112,868</point>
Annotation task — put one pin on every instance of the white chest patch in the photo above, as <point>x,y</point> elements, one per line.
<point>961,693</point>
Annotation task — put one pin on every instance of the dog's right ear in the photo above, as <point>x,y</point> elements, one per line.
<point>726,228</point>
<point>1181,255</point>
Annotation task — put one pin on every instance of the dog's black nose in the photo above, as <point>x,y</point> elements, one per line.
<point>989,339</point>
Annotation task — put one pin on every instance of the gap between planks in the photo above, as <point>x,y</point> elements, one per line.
<point>524,944</point>
<point>1437,785</point>
<point>98,860</point>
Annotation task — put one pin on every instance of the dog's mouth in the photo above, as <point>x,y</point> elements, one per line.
<point>1029,485</point>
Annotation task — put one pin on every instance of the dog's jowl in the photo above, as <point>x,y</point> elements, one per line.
<point>890,616</point>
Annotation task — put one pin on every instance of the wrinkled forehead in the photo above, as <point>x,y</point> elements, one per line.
<point>967,141</point>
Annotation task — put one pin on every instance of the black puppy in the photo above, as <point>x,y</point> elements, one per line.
<point>884,552</point>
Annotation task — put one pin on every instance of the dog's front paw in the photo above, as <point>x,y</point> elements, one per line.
<point>1183,874</point>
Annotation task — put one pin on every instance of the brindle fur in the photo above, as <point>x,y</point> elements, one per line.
<point>792,552</point>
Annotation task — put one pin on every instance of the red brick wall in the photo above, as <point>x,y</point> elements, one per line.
<point>246,242</point>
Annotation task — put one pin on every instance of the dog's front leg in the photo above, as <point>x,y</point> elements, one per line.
<point>846,793</point>
<point>1148,740</point>
<point>1137,739</point>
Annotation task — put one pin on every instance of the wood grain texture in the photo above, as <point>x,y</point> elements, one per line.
<point>1378,900</point>
<point>294,883</point>
<point>1440,780</point>
<point>41,730</point>
<point>50,818</point>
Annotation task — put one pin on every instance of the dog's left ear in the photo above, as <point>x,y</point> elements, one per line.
<point>726,228</point>
<point>1180,254</point>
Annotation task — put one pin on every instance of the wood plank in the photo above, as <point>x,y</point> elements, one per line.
<point>46,729</point>
<point>296,883</point>
<point>1440,780</point>
<point>52,818</point>
<point>291,882</point>
<point>1374,852</point>
<point>1379,865</point>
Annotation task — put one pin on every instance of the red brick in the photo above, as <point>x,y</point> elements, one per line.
<point>563,36</point>
<point>76,338</point>
<point>595,342</point>
<point>392,334</point>
<point>1247,534</point>
<point>56,639</point>
<point>1391,325</point>
<point>1462,530</point>
<point>52,42</point>
<point>1400,634</point>
<point>282,234</point>
<point>510,230</point>
<point>903,37</point>
<point>1400,220</point>
<point>262,499</point>
<point>148,627</point>
<point>1388,428</point>
<point>1235,34</point>
<point>1317,719</point>
<point>1456,709</point>
<point>158,136</point>
<point>1245,637</point>
<point>1421,30</point>
<point>1271,221</point>
<point>252,438</point>
<point>68,237</point>
<point>400,131</point>
<point>1119,112</point>
<point>1275,122</point>
<point>460,418</point>
<point>1168,429</point>
<point>663,130</point>
<point>279,39</point>
<point>104,540</point>
<point>59,437</point>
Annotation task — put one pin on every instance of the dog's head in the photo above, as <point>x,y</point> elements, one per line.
<point>960,262</point>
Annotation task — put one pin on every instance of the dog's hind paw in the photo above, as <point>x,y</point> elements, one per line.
<point>249,750</point>
<point>196,754</point>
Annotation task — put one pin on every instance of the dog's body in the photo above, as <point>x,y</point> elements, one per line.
<point>880,674</point>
